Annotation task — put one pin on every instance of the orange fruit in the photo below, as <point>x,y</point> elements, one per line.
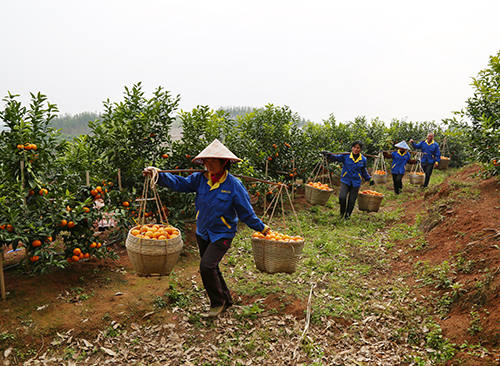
<point>93,192</point>
<point>48,239</point>
<point>98,189</point>
<point>34,258</point>
<point>33,147</point>
<point>27,146</point>
<point>2,227</point>
<point>31,192</point>
<point>77,251</point>
<point>165,156</point>
<point>86,255</point>
<point>43,191</point>
<point>126,203</point>
<point>99,245</point>
<point>269,158</point>
<point>69,259</point>
<point>9,228</point>
<point>36,243</point>
<point>20,147</point>
<point>63,223</point>
<point>93,245</point>
<point>75,258</point>
<point>71,224</point>
<point>86,209</point>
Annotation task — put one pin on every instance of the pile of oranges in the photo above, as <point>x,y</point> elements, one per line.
<point>418,173</point>
<point>372,193</point>
<point>319,185</point>
<point>444,158</point>
<point>380,172</point>
<point>155,232</point>
<point>274,235</point>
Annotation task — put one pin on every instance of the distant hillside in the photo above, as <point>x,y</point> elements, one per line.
<point>75,125</point>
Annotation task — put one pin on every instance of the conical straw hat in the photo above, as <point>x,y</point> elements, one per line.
<point>402,145</point>
<point>216,151</point>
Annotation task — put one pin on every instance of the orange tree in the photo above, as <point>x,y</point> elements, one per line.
<point>483,112</point>
<point>129,136</point>
<point>35,195</point>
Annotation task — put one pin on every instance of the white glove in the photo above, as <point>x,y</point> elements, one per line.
<point>149,170</point>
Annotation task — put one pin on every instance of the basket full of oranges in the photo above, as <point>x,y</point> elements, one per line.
<point>417,178</point>
<point>317,193</point>
<point>276,252</point>
<point>153,249</point>
<point>369,200</point>
<point>379,176</point>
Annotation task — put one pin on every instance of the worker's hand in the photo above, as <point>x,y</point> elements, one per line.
<point>372,182</point>
<point>266,230</point>
<point>149,170</point>
<point>387,155</point>
<point>411,141</point>
<point>325,153</point>
<point>436,164</point>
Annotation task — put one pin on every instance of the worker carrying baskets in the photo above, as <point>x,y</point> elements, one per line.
<point>400,158</point>
<point>221,199</point>
<point>353,167</point>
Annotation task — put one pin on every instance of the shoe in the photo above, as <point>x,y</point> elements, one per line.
<point>216,311</point>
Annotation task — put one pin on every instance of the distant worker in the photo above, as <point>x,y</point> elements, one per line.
<point>399,160</point>
<point>353,167</point>
<point>431,156</point>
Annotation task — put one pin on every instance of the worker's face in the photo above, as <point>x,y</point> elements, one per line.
<point>213,165</point>
<point>356,149</point>
<point>402,151</point>
<point>430,137</point>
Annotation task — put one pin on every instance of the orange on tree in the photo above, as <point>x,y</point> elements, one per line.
<point>77,251</point>
<point>36,243</point>
<point>75,258</point>
<point>48,239</point>
<point>71,224</point>
<point>165,156</point>
<point>63,223</point>
<point>93,192</point>
<point>2,227</point>
<point>86,209</point>
<point>43,191</point>
<point>27,146</point>
<point>34,258</point>
<point>126,203</point>
<point>98,189</point>
<point>9,228</point>
<point>20,147</point>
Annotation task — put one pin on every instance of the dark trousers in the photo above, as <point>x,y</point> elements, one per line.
<point>427,168</point>
<point>347,199</point>
<point>397,179</point>
<point>211,255</point>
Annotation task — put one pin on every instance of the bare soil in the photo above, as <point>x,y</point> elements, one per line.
<point>85,297</point>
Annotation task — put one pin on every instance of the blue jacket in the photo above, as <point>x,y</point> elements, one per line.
<point>352,170</point>
<point>432,153</point>
<point>218,206</point>
<point>399,162</point>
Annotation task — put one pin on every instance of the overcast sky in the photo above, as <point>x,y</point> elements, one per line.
<point>387,59</point>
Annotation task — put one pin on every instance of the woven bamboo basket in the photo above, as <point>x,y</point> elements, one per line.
<point>151,257</point>
<point>380,178</point>
<point>443,164</point>
<point>369,202</point>
<point>273,256</point>
<point>417,179</point>
<point>316,196</point>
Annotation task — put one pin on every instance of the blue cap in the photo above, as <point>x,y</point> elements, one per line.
<point>402,145</point>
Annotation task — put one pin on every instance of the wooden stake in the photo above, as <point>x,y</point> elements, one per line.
<point>87,178</point>
<point>2,280</point>
<point>120,179</point>
<point>22,179</point>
